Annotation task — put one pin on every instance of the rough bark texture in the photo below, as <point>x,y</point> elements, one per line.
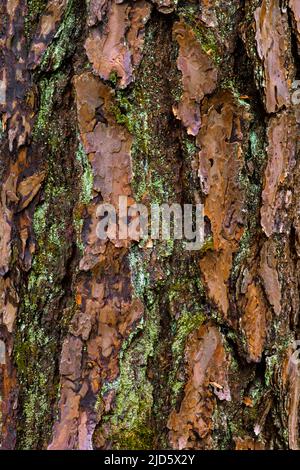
<point>124,345</point>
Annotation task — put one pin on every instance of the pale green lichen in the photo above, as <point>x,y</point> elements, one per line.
<point>131,111</point>
<point>139,272</point>
<point>87,177</point>
<point>86,192</point>
<point>34,376</point>
<point>39,220</point>
<point>256,392</point>
<point>185,325</point>
<point>45,131</point>
<point>271,362</point>
<point>47,89</point>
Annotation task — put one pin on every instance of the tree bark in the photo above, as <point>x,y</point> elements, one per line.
<point>119,344</point>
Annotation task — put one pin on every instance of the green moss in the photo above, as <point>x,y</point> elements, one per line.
<point>43,292</point>
<point>128,113</point>
<point>34,10</point>
<point>137,439</point>
<point>165,248</point>
<point>208,244</point>
<point>113,78</point>
<point>208,42</point>
<point>34,376</point>
<point>64,42</point>
<point>33,373</point>
<point>47,89</point>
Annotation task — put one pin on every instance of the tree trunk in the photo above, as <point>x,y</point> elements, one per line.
<point>120,344</point>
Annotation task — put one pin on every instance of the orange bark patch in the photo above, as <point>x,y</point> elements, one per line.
<point>248,443</point>
<point>281,151</point>
<point>273,45</point>
<point>207,368</point>
<point>199,77</point>
<point>220,163</point>
<point>269,275</point>
<point>254,321</point>
<point>117,48</point>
